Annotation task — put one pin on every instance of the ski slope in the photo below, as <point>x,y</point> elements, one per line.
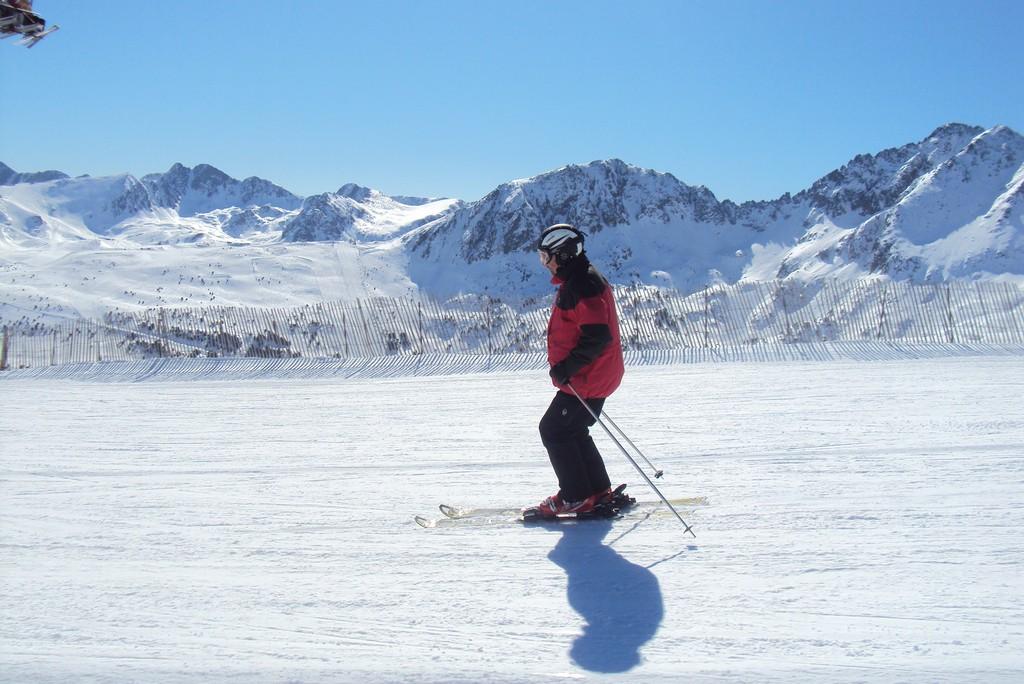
<point>856,520</point>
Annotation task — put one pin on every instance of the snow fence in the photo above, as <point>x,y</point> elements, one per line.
<point>718,317</point>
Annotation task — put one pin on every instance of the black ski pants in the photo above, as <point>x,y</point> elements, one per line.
<point>565,432</point>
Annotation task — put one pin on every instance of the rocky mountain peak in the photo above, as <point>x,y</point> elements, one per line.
<point>9,176</point>
<point>594,197</point>
<point>205,188</point>
<point>209,178</point>
<point>954,130</point>
<point>869,183</point>
<point>324,217</point>
<point>355,192</point>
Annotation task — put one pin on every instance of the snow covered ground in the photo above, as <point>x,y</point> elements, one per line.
<point>856,520</point>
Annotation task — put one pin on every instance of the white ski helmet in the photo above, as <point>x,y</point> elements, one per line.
<point>561,241</point>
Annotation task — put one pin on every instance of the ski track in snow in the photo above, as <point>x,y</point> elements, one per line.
<point>863,523</point>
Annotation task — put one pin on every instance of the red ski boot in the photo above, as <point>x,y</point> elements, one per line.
<point>554,506</point>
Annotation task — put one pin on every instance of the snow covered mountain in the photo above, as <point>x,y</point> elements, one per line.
<point>948,206</point>
<point>358,214</point>
<point>181,206</point>
<point>199,205</point>
<point>642,225</point>
<point>47,213</point>
<point>961,215</point>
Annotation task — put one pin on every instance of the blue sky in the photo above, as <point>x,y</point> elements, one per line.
<point>751,99</point>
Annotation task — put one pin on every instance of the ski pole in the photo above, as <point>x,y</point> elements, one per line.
<point>658,472</point>
<point>631,459</point>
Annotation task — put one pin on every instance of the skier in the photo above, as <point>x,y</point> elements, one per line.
<point>584,351</point>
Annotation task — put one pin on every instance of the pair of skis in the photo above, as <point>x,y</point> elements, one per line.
<point>454,515</point>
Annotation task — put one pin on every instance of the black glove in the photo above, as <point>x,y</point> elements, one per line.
<point>560,373</point>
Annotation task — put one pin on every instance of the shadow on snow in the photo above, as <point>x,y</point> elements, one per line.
<point>621,602</point>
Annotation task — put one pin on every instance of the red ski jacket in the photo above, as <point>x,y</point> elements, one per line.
<point>583,333</point>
